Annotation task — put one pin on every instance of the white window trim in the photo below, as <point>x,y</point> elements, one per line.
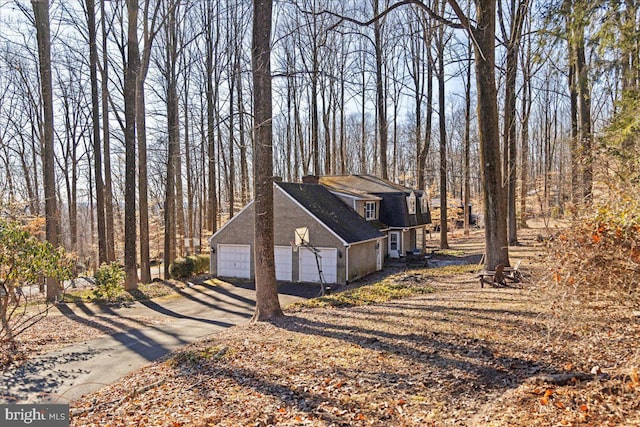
<point>411,204</point>
<point>368,215</point>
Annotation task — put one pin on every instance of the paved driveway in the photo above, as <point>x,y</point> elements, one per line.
<point>68,373</point>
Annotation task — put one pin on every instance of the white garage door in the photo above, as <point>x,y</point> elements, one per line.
<point>328,259</point>
<point>284,261</point>
<point>234,261</point>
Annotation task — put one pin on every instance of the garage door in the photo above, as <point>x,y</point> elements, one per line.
<point>284,260</point>
<point>328,259</point>
<point>234,261</point>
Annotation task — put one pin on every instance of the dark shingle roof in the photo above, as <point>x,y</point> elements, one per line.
<point>340,218</point>
<point>393,206</point>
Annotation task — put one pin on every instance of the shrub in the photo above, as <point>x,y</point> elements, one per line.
<point>182,267</point>
<point>24,259</point>
<point>188,266</point>
<point>598,259</point>
<point>109,279</point>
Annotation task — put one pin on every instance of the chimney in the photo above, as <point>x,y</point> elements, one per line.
<point>311,179</point>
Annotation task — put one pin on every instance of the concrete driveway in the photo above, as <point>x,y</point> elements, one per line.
<point>66,374</point>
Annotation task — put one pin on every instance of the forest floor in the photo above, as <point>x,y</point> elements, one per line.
<point>452,354</point>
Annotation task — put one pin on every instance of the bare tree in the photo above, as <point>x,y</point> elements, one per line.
<point>95,117</point>
<point>41,19</point>
<point>130,75</point>
<point>512,39</point>
<point>267,304</point>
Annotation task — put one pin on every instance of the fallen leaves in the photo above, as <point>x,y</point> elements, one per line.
<point>459,356</point>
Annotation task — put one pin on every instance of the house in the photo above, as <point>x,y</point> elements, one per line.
<point>348,247</point>
<point>401,213</point>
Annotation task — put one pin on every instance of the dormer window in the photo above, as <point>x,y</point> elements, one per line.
<point>411,204</point>
<point>370,211</point>
<point>425,204</point>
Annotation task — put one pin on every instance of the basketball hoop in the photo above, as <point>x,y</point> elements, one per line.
<point>301,236</point>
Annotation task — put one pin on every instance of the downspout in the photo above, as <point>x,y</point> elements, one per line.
<point>346,263</point>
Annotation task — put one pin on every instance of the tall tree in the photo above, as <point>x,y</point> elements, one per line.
<point>483,33</point>
<point>381,99</point>
<point>130,75</point>
<point>41,19</point>
<point>267,303</point>
<point>211,47</point>
<point>517,12</point>
<point>149,31</point>
<point>106,140</point>
<point>95,117</point>
<point>441,40</point>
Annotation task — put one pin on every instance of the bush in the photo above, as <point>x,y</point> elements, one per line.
<point>188,266</point>
<point>25,259</point>
<point>109,279</point>
<point>598,259</point>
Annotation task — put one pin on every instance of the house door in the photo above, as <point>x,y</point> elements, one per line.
<point>394,244</point>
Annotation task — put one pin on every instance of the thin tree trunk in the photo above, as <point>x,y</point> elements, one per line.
<point>380,94</point>
<point>95,117</point>
<point>444,243</point>
<point>41,16</point>
<point>106,145</point>
<point>466,198</point>
<point>212,206</point>
<point>244,165</point>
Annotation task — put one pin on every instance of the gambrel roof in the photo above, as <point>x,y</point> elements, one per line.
<point>393,205</point>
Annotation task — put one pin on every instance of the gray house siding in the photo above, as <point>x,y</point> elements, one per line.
<point>288,216</point>
<point>362,258</point>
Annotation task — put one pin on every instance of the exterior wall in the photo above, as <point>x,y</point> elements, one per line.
<point>362,259</point>
<point>287,217</point>
<point>237,231</point>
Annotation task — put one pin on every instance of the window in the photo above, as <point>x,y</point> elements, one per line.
<point>370,211</point>
<point>411,204</point>
<point>425,204</point>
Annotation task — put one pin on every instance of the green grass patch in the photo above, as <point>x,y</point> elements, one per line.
<point>144,292</point>
<point>451,252</point>
<point>376,293</point>
<point>452,270</point>
<point>198,356</point>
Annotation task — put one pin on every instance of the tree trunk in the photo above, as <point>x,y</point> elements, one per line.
<point>244,165</point>
<point>106,145</point>
<point>95,122</point>
<point>466,198</point>
<point>524,152</point>
<point>130,75</point>
<point>509,129</point>
<point>584,103</point>
<point>495,209</point>
<point>380,94</point>
<point>41,17</point>
<point>172,201</point>
<point>444,243</point>
<point>212,207</point>
<point>267,303</point>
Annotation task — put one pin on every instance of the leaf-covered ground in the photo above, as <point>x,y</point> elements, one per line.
<point>460,355</point>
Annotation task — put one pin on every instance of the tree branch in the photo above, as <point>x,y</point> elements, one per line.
<point>385,12</point>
